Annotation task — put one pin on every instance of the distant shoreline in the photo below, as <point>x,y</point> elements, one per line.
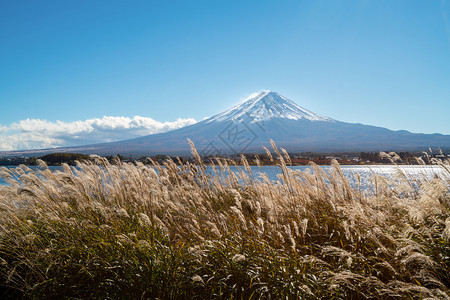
<point>264,159</point>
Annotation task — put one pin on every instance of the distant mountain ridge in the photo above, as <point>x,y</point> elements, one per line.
<point>251,124</point>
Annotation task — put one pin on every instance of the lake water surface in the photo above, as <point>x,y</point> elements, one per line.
<point>366,172</point>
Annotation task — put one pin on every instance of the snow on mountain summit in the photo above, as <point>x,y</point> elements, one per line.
<point>267,105</point>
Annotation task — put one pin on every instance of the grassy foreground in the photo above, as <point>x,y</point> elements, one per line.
<point>128,231</point>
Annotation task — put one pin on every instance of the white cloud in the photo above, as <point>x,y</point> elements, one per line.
<point>39,134</point>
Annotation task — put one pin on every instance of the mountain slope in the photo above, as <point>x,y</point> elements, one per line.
<point>267,115</point>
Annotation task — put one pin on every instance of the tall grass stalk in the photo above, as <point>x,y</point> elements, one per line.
<point>171,231</point>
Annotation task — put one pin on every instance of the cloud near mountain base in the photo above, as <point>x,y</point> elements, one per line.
<point>40,134</point>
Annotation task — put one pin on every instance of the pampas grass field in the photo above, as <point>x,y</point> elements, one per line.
<point>176,231</point>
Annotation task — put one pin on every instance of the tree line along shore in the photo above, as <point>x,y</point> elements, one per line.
<point>297,159</point>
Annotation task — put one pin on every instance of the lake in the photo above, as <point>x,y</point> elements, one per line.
<point>366,172</point>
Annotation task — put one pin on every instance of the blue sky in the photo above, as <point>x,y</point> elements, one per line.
<point>384,63</point>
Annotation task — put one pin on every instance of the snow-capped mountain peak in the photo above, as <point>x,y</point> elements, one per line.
<point>266,105</point>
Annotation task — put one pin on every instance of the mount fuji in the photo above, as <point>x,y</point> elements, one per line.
<point>251,124</point>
